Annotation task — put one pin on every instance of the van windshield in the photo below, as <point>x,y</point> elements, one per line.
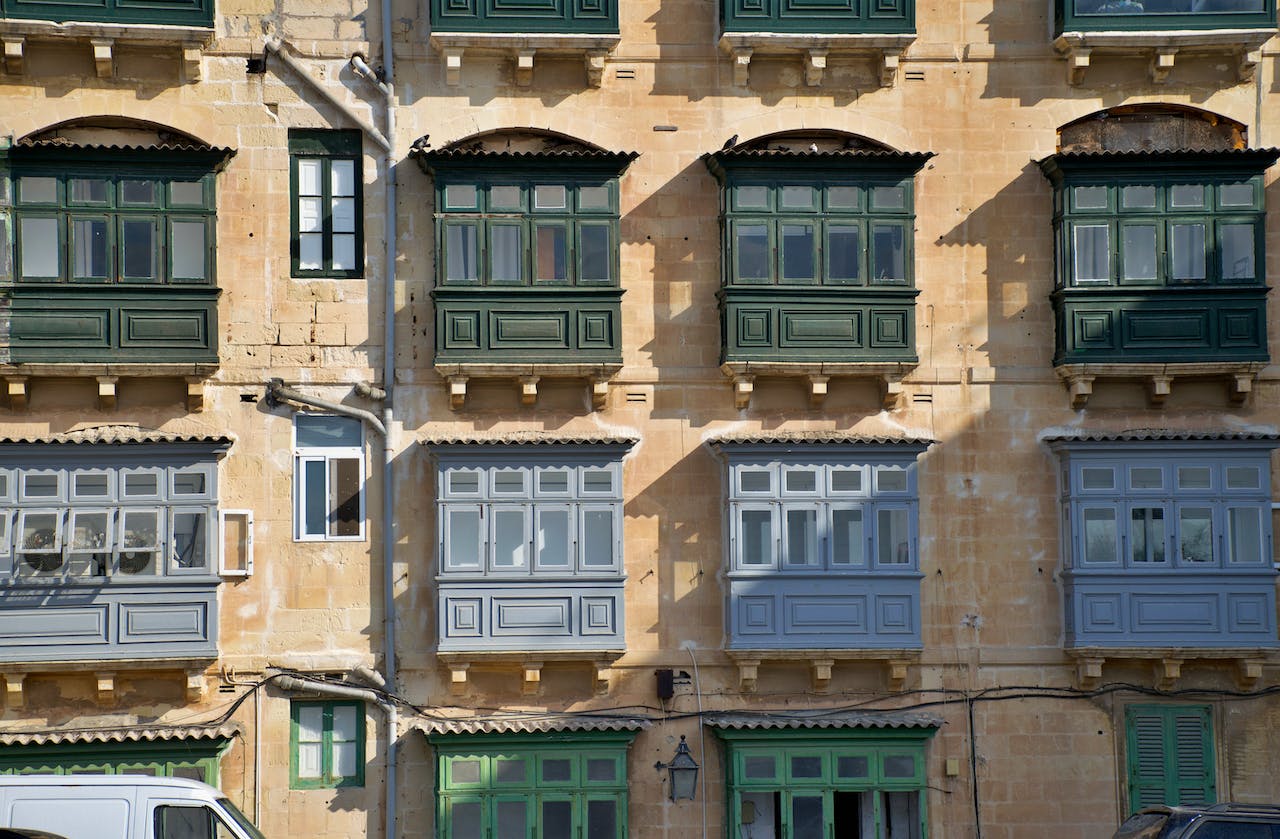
<point>241,819</point>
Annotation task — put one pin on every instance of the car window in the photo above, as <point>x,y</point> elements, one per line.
<point>1142,826</point>
<point>1223,829</point>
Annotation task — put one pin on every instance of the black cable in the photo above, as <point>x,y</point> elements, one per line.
<point>973,768</point>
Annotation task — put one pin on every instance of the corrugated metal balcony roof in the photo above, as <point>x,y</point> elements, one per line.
<point>765,438</point>
<point>532,724</point>
<point>1155,434</point>
<point>116,435</point>
<point>139,734</point>
<point>530,438</point>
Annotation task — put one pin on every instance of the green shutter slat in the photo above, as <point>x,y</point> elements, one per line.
<point>1170,758</point>
<point>1193,756</point>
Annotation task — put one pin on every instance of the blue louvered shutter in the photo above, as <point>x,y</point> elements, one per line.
<point>1169,755</point>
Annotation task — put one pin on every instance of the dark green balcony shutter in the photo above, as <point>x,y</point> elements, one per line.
<point>1170,755</point>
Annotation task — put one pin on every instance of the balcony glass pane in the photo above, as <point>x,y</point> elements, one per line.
<point>806,817</point>
<point>891,479</point>
<point>89,531</point>
<point>464,820</point>
<point>889,198</point>
<point>602,769</point>
<point>94,485</point>
<point>1186,196</point>
<point>508,482</point>
<point>843,197</point>
<point>89,191</point>
<point>1238,252</point>
<point>754,480</point>
<point>89,248</point>
<point>756,534</point>
<point>899,766</point>
<point>464,482</point>
<point>846,537</point>
<point>550,197</point>
<point>1100,537</point>
<point>1186,242</point>
<point>893,537</point>
<point>190,540</point>
<point>855,766</point>
<point>844,246</point>
<point>595,253</point>
<point>38,242</point>
<point>1092,253</point>
<point>1096,477</point>
<point>557,769</point>
<point>504,198</point>
<point>6,265</point>
<point>557,820</point>
<point>751,198</point>
<point>797,198</point>
<point>597,481</point>
<point>465,771</point>
<point>752,249</point>
<point>1243,477</point>
<point>553,481</point>
<point>802,537</point>
<point>846,479</point>
<point>513,818</point>
<point>800,480</point>
<point>462,249</point>
<point>37,190</point>
<point>181,193</point>
<point>510,545</point>
<point>1195,534</point>
<point>602,819</point>
<point>759,767</point>
<point>597,538</point>
<point>1139,252</point>
<point>1089,197</point>
<point>138,241</point>
<point>462,539</point>
<point>553,538</point>
<point>1138,198</point>
<point>593,198</point>
<point>889,254</point>
<point>1236,195</point>
<point>1146,477</point>
<point>460,197</point>
<point>1244,535</point>
<point>1195,477</point>
<point>1146,535</point>
<point>552,246</point>
<point>506,253</point>
<point>187,250</point>
<point>510,771</point>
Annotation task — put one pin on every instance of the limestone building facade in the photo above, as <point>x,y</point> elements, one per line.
<point>437,418</point>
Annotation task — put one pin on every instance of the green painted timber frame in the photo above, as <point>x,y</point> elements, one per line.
<point>198,13</point>
<point>573,17</point>
<point>1067,19</point>
<point>819,17</point>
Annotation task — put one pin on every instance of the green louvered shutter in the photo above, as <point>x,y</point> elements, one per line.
<point>1170,755</point>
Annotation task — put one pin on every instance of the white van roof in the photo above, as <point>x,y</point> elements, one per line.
<point>105,781</point>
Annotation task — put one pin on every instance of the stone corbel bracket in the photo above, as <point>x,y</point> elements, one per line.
<point>885,51</point>
<point>527,378</point>
<point>1158,378</point>
<point>1167,664</point>
<point>524,50</point>
<point>1162,49</point>
<point>897,664</point>
<point>529,664</point>
<point>817,376</point>
<point>102,40</point>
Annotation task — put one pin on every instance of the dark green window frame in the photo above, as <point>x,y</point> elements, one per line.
<point>800,238</point>
<point>845,17</point>
<point>328,163</point>
<point>48,205</point>
<point>197,760</point>
<point>806,782</point>
<point>327,774</point>
<point>1131,15</point>
<point>1098,215</point>
<point>565,239</point>
<point>502,785</point>
<point>1169,755</point>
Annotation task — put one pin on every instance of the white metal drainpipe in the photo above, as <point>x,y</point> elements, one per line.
<point>387,142</point>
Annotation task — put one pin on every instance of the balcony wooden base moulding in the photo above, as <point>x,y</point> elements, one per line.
<point>821,663</point>
<point>523,49</point>
<point>106,378</point>
<point>817,374</point>
<point>105,675</point>
<point>1079,378</point>
<point>527,377</point>
<point>813,51</point>
<point>102,39</point>
<point>529,663</point>
<point>1167,663</point>
<point>1162,49</point>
